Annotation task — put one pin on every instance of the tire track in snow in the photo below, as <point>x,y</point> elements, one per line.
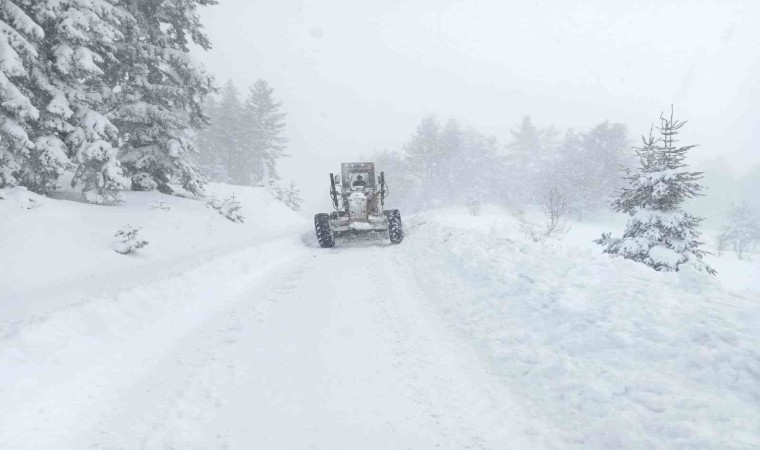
<point>182,395</point>
<point>67,376</point>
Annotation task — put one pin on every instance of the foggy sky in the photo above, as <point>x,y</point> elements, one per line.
<point>358,76</point>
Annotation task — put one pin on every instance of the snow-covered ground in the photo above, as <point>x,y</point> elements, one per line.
<point>613,354</point>
<point>55,244</point>
<point>467,335</point>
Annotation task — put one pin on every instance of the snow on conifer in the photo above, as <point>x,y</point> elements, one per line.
<point>529,152</point>
<point>224,148</point>
<point>212,156</point>
<point>17,52</point>
<point>659,232</point>
<point>246,139</point>
<point>79,38</point>
<point>267,122</point>
<point>421,157</point>
<point>742,231</point>
<point>160,93</point>
<point>588,164</point>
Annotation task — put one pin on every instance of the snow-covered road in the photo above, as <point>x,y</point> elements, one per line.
<point>467,335</point>
<point>276,346</point>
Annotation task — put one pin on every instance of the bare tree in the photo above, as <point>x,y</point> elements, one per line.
<point>555,205</point>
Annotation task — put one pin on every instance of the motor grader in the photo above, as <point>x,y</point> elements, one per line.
<point>358,197</point>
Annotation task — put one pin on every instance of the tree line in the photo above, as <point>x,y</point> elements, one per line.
<point>580,172</point>
<point>451,164</point>
<point>246,138</point>
<point>104,89</point>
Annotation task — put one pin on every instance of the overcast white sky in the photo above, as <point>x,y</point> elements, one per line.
<point>358,76</point>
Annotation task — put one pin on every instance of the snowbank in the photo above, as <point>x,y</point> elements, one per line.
<point>53,245</point>
<point>613,353</point>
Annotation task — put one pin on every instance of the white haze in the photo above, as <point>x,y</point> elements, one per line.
<point>357,77</point>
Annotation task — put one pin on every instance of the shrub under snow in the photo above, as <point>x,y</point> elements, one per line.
<point>229,207</point>
<point>129,241</point>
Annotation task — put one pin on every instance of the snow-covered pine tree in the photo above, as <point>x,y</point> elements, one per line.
<point>266,124</point>
<point>230,135</point>
<point>446,165</point>
<point>211,156</point>
<point>79,38</point>
<point>159,93</point>
<point>526,139</point>
<point>742,231</point>
<point>659,232</point>
<point>477,171</point>
<point>529,159</point>
<point>399,179</point>
<point>292,197</point>
<point>421,153</point>
<point>568,172</point>
<point>589,164</point>
<point>18,115</point>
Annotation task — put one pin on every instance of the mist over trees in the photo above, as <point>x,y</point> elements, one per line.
<point>246,138</point>
<point>449,164</point>
<point>741,232</point>
<point>105,90</point>
<point>105,94</point>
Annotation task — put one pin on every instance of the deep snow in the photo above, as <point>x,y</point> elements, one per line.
<point>467,335</point>
<point>59,244</point>
<point>612,353</point>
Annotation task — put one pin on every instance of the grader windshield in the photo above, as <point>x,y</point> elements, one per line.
<point>354,175</point>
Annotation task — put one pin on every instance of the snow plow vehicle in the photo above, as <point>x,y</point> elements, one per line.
<point>358,198</point>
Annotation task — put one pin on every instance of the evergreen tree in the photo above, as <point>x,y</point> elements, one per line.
<point>18,33</point>
<point>159,92</point>
<point>478,171</point>
<point>292,197</point>
<point>529,160</point>
<point>589,163</point>
<point>79,37</point>
<point>400,182</point>
<point>568,172</point>
<point>605,150</point>
<point>451,142</point>
<point>659,232</point>
<point>421,154</point>
<point>211,156</point>
<point>742,231</point>
<point>228,136</point>
<point>266,125</point>
<point>526,139</point>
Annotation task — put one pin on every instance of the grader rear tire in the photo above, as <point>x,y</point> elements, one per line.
<point>322,227</point>
<point>395,228</point>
